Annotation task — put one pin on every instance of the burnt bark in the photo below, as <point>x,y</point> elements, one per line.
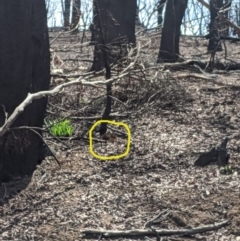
<point>169,48</point>
<point>24,68</point>
<point>112,29</point>
<point>66,14</point>
<point>117,21</point>
<point>214,43</point>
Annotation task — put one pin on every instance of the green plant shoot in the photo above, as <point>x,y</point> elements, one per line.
<point>62,128</point>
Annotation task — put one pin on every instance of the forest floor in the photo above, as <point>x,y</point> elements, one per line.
<point>172,121</point>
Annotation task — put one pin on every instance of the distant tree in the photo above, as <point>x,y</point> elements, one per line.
<point>66,13</point>
<point>24,68</point>
<point>138,22</point>
<point>113,25</point>
<point>51,7</point>
<point>237,13</point>
<point>217,29</point>
<point>169,48</point>
<point>76,6</point>
<point>224,28</point>
<point>138,10</point>
<point>214,43</point>
<point>160,7</point>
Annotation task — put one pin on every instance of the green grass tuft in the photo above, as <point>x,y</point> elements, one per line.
<point>61,128</point>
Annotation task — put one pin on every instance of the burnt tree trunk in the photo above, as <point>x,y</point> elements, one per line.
<point>214,43</point>
<point>116,21</point>
<point>112,29</point>
<point>24,68</point>
<point>66,14</point>
<point>169,48</point>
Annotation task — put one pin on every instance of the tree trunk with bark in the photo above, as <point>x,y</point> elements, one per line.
<point>169,48</point>
<point>224,28</point>
<point>66,14</point>
<point>113,27</point>
<point>24,68</point>
<point>214,43</point>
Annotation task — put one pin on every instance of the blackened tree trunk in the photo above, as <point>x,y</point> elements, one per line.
<point>169,48</point>
<point>24,68</point>
<point>66,14</point>
<point>76,6</point>
<point>214,43</point>
<point>160,11</point>
<point>113,26</point>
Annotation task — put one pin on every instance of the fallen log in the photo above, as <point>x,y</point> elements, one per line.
<point>160,232</point>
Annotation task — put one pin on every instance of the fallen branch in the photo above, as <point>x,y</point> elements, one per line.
<point>64,32</point>
<point>192,75</point>
<point>58,89</point>
<point>96,117</point>
<point>213,89</point>
<point>160,232</point>
<point>46,93</point>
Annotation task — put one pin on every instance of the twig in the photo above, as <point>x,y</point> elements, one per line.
<point>161,232</point>
<point>151,222</point>
<point>115,98</point>
<point>63,32</point>
<point>96,117</point>
<point>192,75</point>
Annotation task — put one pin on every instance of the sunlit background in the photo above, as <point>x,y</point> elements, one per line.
<point>195,22</point>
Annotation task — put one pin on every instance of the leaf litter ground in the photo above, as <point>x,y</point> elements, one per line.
<point>172,122</point>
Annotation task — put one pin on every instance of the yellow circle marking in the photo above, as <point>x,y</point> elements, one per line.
<point>107,158</point>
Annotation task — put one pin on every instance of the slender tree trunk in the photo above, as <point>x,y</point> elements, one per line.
<point>169,48</point>
<point>116,21</point>
<point>24,68</point>
<point>76,6</point>
<point>237,12</point>
<point>224,28</point>
<point>113,28</point>
<point>214,35</point>
<point>63,11</point>
<point>67,13</point>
